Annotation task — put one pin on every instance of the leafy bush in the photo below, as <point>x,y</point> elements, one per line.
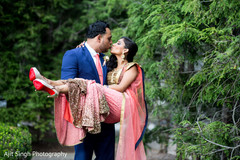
<point>15,143</point>
<point>205,140</point>
<point>9,115</point>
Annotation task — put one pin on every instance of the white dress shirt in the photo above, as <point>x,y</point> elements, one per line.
<point>92,52</point>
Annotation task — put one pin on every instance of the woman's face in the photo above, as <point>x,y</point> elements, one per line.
<point>118,48</point>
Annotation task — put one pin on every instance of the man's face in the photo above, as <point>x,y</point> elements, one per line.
<point>106,41</point>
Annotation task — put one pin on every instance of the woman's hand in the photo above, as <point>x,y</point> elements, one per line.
<point>81,45</point>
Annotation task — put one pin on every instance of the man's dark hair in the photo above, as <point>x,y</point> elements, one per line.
<point>97,28</point>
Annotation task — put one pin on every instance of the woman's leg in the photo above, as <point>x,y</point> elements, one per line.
<point>61,88</point>
<point>55,83</point>
<point>34,74</point>
<point>115,102</point>
<point>60,85</point>
<point>50,86</point>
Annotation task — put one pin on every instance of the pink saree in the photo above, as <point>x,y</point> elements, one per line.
<point>92,103</point>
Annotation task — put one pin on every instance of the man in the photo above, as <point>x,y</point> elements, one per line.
<point>82,63</point>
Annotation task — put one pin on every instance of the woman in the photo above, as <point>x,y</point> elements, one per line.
<point>91,103</point>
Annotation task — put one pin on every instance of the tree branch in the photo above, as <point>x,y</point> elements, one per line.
<point>223,146</point>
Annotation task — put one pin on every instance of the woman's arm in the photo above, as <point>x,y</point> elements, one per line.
<point>128,77</point>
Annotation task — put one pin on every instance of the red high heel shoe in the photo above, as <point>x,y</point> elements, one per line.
<point>35,74</point>
<point>42,85</point>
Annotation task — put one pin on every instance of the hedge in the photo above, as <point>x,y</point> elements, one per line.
<point>15,143</point>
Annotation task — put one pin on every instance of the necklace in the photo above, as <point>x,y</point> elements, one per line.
<point>121,66</point>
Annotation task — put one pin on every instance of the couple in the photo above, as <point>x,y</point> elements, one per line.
<point>85,111</point>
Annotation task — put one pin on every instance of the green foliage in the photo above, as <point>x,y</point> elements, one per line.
<point>15,143</point>
<point>30,35</point>
<point>203,140</point>
<point>153,135</point>
<point>189,50</point>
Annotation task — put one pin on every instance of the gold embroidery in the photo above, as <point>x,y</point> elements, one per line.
<point>114,75</point>
<point>122,118</point>
<point>83,116</point>
<point>129,65</point>
<point>76,88</point>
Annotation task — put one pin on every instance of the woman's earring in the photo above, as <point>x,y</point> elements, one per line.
<point>123,56</point>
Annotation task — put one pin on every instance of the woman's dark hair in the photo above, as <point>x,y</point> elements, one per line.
<point>132,50</point>
<point>97,28</point>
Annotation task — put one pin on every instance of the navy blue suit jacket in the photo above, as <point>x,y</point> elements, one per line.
<point>78,63</point>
